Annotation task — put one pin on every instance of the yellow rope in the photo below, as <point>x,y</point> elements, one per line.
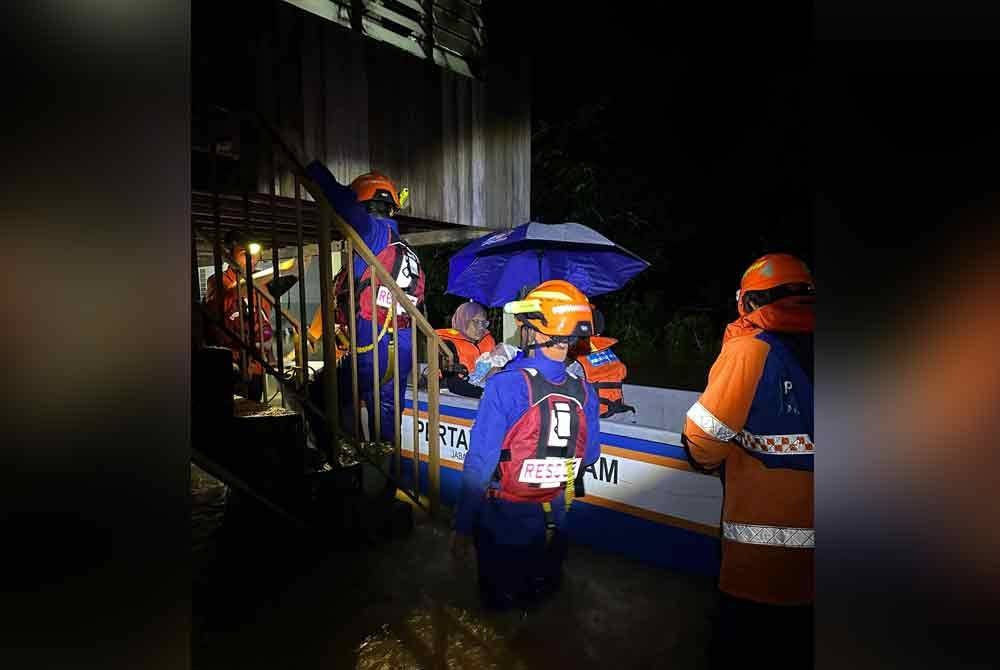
<point>387,375</point>
<point>570,494</point>
<point>385,327</point>
<point>570,483</point>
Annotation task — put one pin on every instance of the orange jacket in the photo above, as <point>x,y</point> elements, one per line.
<point>606,372</point>
<point>341,332</point>
<point>755,419</point>
<point>231,317</point>
<point>468,351</point>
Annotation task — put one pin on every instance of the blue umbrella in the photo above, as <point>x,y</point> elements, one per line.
<point>495,267</point>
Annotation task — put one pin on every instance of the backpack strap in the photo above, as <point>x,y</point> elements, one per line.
<point>505,453</point>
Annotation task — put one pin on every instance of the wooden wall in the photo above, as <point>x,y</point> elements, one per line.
<point>461,146</point>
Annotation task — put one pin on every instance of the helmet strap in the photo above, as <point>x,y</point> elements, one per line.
<point>528,346</point>
<point>526,337</point>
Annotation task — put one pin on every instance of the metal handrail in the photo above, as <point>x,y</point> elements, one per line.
<point>286,385</point>
<point>260,292</point>
<point>382,278</point>
<point>330,221</point>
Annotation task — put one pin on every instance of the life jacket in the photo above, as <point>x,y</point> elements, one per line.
<point>606,372</point>
<point>233,320</point>
<point>553,427</point>
<point>467,350</point>
<point>403,265</point>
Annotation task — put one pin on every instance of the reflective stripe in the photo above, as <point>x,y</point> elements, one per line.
<point>777,445</point>
<point>775,536</point>
<point>708,423</point>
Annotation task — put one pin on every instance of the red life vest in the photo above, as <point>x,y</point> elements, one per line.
<point>606,372</point>
<point>403,265</point>
<point>553,426</point>
<point>467,350</point>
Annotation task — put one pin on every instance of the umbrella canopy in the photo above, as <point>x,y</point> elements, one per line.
<point>495,267</point>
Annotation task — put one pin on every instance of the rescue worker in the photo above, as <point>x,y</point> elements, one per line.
<point>238,250</point>
<point>518,481</point>
<point>597,363</point>
<point>754,424</point>
<point>368,206</point>
<point>468,338</point>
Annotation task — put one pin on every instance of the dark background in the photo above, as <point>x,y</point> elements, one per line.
<point>682,136</point>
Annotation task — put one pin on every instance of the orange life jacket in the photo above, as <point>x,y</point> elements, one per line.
<point>232,318</point>
<point>468,351</point>
<point>343,342</point>
<point>606,372</point>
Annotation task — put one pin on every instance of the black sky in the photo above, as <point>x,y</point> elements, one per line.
<point>703,107</point>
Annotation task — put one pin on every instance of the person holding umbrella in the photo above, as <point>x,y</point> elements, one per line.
<point>536,431</point>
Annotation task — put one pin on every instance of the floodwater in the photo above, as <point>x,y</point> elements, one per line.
<point>265,597</point>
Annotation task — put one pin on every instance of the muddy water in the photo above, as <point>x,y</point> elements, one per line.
<point>265,597</point>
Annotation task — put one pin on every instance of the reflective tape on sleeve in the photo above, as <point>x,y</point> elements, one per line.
<point>795,444</point>
<point>708,423</point>
<point>774,536</point>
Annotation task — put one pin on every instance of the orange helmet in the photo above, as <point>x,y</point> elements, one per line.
<point>770,271</point>
<point>555,308</point>
<point>376,186</point>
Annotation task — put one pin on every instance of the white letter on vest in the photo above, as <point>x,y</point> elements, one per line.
<point>559,424</point>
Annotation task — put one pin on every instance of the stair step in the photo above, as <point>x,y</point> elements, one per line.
<point>245,408</point>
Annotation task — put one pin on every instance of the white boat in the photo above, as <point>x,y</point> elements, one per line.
<point>642,498</point>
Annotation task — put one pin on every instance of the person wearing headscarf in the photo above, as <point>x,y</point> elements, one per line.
<point>468,339</point>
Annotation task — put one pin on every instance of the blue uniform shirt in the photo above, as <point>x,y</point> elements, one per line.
<point>504,400</point>
<point>374,230</point>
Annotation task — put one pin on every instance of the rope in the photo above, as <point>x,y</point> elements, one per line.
<point>385,327</point>
<point>550,525</point>
<point>570,483</point>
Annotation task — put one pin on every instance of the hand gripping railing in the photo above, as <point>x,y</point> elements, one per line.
<point>379,277</point>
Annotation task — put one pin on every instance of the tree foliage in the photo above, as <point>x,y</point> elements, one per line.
<point>698,211</point>
<point>669,320</point>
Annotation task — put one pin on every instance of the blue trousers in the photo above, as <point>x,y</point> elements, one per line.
<point>345,392</point>
<point>518,567</point>
<point>387,423</point>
